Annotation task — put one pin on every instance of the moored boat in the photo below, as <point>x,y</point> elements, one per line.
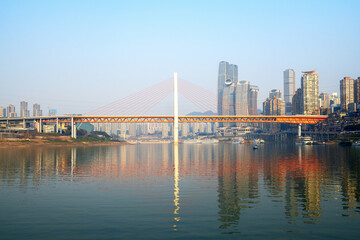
<point>304,141</point>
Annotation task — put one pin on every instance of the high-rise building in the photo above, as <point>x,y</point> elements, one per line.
<point>2,112</point>
<point>228,102</point>
<point>324,99</point>
<point>274,106</point>
<point>132,129</point>
<point>346,92</point>
<point>52,112</point>
<point>11,111</point>
<point>24,112</point>
<point>310,92</point>
<point>275,93</point>
<point>241,98</point>
<point>289,89</point>
<point>165,130</point>
<point>334,99</point>
<point>253,96</point>
<point>357,90</point>
<point>234,97</point>
<point>228,74</point>
<point>297,103</point>
<point>36,110</point>
<point>185,129</point>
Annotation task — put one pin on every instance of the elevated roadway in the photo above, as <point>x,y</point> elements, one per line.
<point>297,119</point>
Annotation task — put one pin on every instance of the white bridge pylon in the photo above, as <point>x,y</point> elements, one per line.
<point>176,110</point>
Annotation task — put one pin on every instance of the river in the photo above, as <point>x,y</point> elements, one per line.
<point>197,191</point>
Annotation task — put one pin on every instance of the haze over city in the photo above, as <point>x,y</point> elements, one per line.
<point>75,56</point>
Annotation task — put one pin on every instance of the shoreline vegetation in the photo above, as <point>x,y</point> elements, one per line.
<point>60,141</point>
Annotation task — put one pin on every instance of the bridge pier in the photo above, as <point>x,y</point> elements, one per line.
<point>299,130</point>
<point>73,128</point>
<point>57,125</point>
<point>40,126</point>
<point>24,123</point>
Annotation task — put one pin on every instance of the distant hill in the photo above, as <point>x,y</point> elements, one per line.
<point>207,113</point>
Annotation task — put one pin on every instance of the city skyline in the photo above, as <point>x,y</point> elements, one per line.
<point>64,54</point>
<point>237,98</point>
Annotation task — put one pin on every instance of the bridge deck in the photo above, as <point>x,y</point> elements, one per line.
<point>313,119</point>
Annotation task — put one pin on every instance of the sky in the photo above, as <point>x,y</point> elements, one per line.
<point>75,56</point>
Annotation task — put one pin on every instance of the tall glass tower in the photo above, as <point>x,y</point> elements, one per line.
<point>289,89</point>
<point>228,75</point>
<point>253,96</point>
<point>242,97</point>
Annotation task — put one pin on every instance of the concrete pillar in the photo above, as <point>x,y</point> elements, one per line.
<point>299,130</point>
<point>24,123</point>
<point>40,126</point>
<point>57,125</point>
<point>75,131</point>
<point>73,128</point>
<point>176,110</point>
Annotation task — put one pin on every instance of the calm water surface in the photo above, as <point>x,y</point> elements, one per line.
<point>158,191</point>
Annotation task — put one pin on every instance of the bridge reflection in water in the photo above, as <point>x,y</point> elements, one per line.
<point>232,182</point>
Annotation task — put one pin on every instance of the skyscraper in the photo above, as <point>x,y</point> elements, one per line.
<point>357,90</point>
<point>297,103</point>
<point>241,98</point>
<point>334,99</point>
<point>234,98</point>
<point>324,100</point>
<point>275,93</point>
<point>274,106</point>
<point>253,96</point>
<point>36,110</point>
<point>2,112</point>
<point>346,92</point>
<point>24,112</point>
<point>52,112</point>
<point>11,111</point>
<point>228,74</point>
<point>228,102</point>
<point>289,89</point>
<point>310,92</point>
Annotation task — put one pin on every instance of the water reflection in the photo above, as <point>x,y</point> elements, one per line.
<point>238,184</point>
<point>299,183</point>
<point>176,186</point>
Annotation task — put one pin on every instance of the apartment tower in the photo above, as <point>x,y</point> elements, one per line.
<point>346,92</point>
<point>289,89</point>
<point>310,92</point>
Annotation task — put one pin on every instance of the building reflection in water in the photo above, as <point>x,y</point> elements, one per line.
<point>296,179</point>
<point>238,184</point>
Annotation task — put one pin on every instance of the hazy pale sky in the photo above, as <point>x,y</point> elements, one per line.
<point>75,56</point>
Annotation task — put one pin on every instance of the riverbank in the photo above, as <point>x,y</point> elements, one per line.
<point>59,141</point>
